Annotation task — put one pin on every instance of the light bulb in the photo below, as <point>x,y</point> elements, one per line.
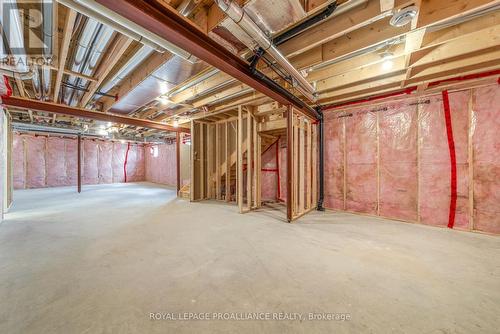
<point>387,64</point>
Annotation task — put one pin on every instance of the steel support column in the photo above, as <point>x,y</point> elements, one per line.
<point>79,162</point>
<point>178,160</point>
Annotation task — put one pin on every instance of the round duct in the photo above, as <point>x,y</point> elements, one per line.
<point>404,16</point>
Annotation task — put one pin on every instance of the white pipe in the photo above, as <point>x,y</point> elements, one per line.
<point>243,20</point>
<point>127,27</point>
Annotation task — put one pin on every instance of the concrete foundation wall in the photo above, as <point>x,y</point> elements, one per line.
<point>392,159</point>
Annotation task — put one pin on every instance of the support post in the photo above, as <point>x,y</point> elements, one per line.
<point>79,163</point>
<point>321,160</point>
<point>178,160</point>
<point>239,172</point>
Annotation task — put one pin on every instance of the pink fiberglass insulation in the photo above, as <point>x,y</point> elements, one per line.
<point>119,151</point>
<point>135,163</point>
<point>398,160</point>
<point>105,161</point>
<point>35,161</point>
<point>486,157</point>
<point>71,162</point>
<point>435,168</point>
<point>90,171</point>
<point>52,161</point>
<point>160,164</point>
<point>18,170</point>
<point>334,161</point>
<point>269,174</point>
<point>361,147</point>
<point>56,166</point>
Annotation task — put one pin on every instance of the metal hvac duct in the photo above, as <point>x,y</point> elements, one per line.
<point>48,29</point>
<point>92,44</point>
<point>16,40</point>
<point>126,27</point>
<point>245,22</point>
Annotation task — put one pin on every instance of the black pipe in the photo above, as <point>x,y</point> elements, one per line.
<point>324,14</point>
<point>321,161</point>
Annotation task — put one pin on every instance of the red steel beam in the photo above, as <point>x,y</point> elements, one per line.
<point>55,108</point>
<point>165,21</point>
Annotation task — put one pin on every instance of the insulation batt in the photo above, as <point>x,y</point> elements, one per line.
<point>41,161</point>
<point>162,168</point>
<point>269,177</point>
<point>409,172</point>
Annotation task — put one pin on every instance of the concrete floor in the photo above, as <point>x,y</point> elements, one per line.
<point>104,262</point>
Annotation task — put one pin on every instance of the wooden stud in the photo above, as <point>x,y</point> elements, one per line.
<point>249,160</point>
<point>314,182</point>
<point>296,165</point>
<point>289,162</point>
<point>302,165</point>
<point>217,163</point>
<point>239,168</point>
<point>258,167</point>
<point>228,164</point>
<point>209,148</point>
<point>202,160</point>
<point>309,165</point>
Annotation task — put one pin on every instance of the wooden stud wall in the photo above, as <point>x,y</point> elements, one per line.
<point>302,164</point>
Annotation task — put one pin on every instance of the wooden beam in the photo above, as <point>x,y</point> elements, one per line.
<point>200,88</point>
<point>141,73</point>
<point>333,28</point>
<point>386,5</point>
<point>433,12</point>
<point>63,54</point>
<point>113,55</point>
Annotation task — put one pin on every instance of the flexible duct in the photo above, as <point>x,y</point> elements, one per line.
<point>245,22</point>
<point>128,28</point>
